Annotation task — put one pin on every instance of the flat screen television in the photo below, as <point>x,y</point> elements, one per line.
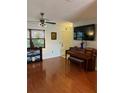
<point>86,32</point>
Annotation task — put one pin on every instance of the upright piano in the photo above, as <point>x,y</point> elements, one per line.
<point>87,54</point>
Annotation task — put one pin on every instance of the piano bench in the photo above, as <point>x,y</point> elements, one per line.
<point>76,60</point>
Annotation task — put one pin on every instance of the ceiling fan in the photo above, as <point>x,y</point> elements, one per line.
<point>43,21</point>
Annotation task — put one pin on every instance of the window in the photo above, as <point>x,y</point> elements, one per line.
<point>35,38</point>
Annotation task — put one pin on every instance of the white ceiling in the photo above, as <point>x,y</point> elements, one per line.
<point>57,10</point>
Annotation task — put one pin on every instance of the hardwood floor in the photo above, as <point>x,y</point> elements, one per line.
<point>56,76</point>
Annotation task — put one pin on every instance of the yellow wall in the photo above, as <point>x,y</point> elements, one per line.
<point>66,34</point>
<point>54,48</point>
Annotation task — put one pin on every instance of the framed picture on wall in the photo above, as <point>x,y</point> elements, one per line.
<point>53,35</point>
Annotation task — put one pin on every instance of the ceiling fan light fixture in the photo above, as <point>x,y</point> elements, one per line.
<point>43,25</point>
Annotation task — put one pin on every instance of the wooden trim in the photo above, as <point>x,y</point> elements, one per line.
<point>37,29</point>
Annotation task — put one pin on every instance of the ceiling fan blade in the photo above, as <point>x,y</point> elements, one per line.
<point>43,20</point>
<point>33,21</point>
<point>50,22</point>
